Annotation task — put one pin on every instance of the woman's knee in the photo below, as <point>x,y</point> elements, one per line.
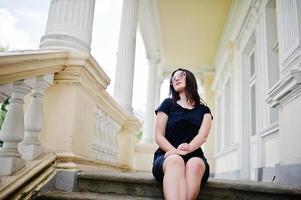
<point>173,160</point>
<point>195,166</point>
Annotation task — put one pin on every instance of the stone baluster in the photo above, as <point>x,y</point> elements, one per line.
<point>12,131</point>
<point>30,147</point>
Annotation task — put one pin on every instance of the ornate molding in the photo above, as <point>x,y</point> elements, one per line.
<point>154,57</point>
<point>249,22</point>
<point>285,90</point>
<point>226,66</point>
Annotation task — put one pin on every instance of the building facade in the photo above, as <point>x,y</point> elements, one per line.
<point>257,93</point>
<point>247,58</point>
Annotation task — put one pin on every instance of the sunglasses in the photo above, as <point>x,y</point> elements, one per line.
<point>178,75</point>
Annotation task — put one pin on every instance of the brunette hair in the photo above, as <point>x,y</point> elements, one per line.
<point>191,89</point>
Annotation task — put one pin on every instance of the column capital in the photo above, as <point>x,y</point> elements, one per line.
<point>154,57</point>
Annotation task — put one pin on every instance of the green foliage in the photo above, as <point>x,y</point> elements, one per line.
<point>139,135</point>
<point>3,112</point>
<point>3,48</point>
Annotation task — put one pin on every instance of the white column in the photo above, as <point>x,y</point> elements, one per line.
<point>30,147</point>
<point>148,126</point>
<point>69,25</point>
<point>13,130</point>
<point>124,75</point>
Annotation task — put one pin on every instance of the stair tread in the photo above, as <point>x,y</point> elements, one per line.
<point>56,194</point>
<point>147,178</point>
<point>135,177</point>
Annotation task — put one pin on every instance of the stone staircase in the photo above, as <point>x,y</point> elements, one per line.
<point>104,185</point>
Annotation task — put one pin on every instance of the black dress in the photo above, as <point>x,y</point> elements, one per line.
<point>182,126</point>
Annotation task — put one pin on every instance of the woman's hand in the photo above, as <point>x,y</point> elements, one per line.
<point>176,151</point>
<point>184,147</point>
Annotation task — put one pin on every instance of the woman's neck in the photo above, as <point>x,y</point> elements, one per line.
<point>184,99</point>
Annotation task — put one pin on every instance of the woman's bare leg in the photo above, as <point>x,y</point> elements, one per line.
<point>174,181</point>
<point>195,169</point>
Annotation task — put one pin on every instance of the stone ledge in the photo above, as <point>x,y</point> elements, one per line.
<point>86,196</point>
<point>123,177</point>
<point>234,186</point>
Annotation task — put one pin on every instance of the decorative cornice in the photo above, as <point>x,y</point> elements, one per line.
<point>285,90</point>
<point>292,61</point>
<point>249,22</point>
<point>226,66</point>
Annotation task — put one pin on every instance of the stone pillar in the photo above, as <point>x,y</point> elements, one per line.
<point>148,125</point>
<point>286,96</point>
<point>69,25</point>
<point>30,147</point>
<point>124,75</point>
<point>13,130</point>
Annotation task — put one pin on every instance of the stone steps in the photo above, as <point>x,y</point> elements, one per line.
<point>120,183</point>
<point>134,185</point>
<point>59,195</point>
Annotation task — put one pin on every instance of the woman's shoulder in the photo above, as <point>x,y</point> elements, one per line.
<point>205,109</point>
<point>165,106</point>
<point>167,101</point>
<point>204,106</point>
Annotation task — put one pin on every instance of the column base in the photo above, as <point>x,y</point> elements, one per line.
<point>30,151</point>
<point>9,165</point>
<point>144,155</point>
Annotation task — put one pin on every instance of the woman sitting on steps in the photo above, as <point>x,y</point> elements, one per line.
<point>182,126</point>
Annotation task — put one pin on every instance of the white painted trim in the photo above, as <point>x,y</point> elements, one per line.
<point>273,129</point>
<point>226,151</point>
<point>285,90</point>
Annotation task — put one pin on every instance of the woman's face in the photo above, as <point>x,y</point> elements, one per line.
<point>178,81</point>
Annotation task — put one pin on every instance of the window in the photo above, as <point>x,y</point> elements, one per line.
<point>218,125</point>
<point>228,114</point>
<point>253,109</point>
<point>252,92</point>
<point>272,50</point>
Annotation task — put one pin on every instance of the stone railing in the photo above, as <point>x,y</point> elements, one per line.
<point>104,146</point>
<point>67,110</point>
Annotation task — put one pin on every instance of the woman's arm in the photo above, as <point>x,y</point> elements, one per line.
<point>201,137</point>
<point>161,122</point>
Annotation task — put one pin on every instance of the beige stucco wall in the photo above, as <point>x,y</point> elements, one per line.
<point>69,120</point>
<point>83,123</point>
<point>59,113</point>
<point>227,162</point>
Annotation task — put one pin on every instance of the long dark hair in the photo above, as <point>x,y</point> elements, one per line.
<point>191,89</point>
